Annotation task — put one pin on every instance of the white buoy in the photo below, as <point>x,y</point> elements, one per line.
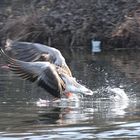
<point>96,46</point>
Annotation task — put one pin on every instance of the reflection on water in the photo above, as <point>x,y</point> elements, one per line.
<point>107,114</point>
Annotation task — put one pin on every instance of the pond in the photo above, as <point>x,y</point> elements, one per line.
<point>95,117</point>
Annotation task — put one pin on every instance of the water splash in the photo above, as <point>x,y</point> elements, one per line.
<point>119,95</point>
<point>120,100</point>
<point>63,102</point>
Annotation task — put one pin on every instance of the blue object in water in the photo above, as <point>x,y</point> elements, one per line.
<point>96,46</point>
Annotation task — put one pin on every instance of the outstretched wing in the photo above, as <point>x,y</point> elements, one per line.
<point>43,73</point>
<point>31,52</point>
<point>22,51</point>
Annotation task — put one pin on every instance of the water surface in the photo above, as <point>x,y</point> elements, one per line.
<point>96,117</point>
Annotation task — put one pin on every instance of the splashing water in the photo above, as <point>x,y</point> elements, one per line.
<point>120,100</point>
<point>119,94</point>
<point>75,102</point>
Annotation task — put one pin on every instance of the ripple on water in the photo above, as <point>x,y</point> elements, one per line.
<point>121,131</point>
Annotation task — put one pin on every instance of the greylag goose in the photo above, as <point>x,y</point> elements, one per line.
<point>51,73</point>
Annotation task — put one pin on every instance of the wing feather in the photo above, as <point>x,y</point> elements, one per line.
<point>46,77</point>
<point>51,81</point>
<point>23,51</point>
<point>31,52</point>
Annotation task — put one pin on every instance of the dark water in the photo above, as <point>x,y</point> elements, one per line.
<point>96,117</point>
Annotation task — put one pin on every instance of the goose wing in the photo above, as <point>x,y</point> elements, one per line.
<point>44,73</point>
<point>28,51</point>
<point>23,50</point>
<point>31,52</point>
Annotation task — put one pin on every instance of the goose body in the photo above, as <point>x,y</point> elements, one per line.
<point>51,73</point>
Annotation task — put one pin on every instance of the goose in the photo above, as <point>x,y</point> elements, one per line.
<point>53,75</point>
